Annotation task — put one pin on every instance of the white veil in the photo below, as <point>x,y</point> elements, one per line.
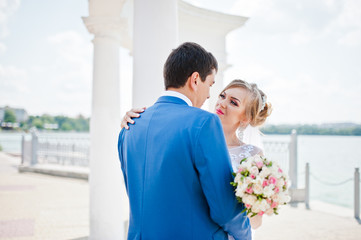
<point>252,135</point>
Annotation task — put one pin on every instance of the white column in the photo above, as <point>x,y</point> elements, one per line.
<point>108,200</point>
<point>155,34</point>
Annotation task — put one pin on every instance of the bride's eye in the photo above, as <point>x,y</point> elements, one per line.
<point>234,103</point>
<point>222,96</point>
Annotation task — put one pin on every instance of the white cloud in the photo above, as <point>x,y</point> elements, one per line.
<point>73,72</point>
<point>61,86</point>
<point>303,36</point>
<point>346,26</point>
<point>7,8</point>
<point>352,38</point>
<point>2,47</point>
<point>253,8</point>
<point>14,85</point>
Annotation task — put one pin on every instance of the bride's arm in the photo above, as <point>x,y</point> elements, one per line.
<point>255,221</point>
<point>133,113</point>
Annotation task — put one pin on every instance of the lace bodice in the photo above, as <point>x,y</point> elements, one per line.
<point>241,152</point>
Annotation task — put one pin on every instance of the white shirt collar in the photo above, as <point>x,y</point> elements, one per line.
<point>178,95</point>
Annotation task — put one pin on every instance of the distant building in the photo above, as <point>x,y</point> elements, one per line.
<point>20,113</point>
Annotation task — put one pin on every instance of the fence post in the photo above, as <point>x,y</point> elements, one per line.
<point>34,148</point>
<point>307,186</point>
<point>357,193</point>
<point>293,159</point>
<point>22,149</point>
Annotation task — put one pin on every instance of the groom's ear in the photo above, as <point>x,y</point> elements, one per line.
<point>194,80</point>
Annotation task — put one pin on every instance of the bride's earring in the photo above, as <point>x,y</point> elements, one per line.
<point>239,132</point>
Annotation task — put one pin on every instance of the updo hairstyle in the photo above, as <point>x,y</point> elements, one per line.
<point>257,107</point>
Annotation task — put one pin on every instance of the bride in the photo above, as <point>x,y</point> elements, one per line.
<point>240,105</point>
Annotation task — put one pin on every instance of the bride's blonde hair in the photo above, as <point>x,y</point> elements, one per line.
<point>257,107</point>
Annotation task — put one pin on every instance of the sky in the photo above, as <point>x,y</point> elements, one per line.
<point>305,55</point>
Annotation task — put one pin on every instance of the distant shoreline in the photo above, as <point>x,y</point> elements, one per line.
<point>334,129</point>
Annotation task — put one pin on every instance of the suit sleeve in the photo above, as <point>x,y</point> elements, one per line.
<point>215,172</point>
<point>121,158</point>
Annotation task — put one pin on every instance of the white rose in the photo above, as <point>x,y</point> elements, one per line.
<point>275,171</point>
<point>264,205</point>
<point>284,198</point>
<point>240,190</point>
<point>249,199</point>
<point>248,180</point>
<point>254,170</point>
<point>267,191</point>
<point>257,187</point>
<point>280,183</point>
<point>265,172</point>
<point>239,193</point>
<point>259,205</point>
<point>276,198</point>
<point>237,179</point>
<point>256,207</point>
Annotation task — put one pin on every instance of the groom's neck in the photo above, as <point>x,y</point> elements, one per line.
<point>186,92</point>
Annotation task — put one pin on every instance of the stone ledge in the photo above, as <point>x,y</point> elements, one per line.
<point>56,170</point>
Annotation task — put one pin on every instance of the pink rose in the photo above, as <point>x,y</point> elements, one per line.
<point>274,205</point>
<point>259,164</point>
<point>265,183</point>
<point>280,170</point>
<point>268,200</point>
<point>240,170</point>
<point>248,206</point>
<point>261,213</point>
<point>249,190</point>
<point>253,176</point>
<point>272,180</point>
<point>277,189</point>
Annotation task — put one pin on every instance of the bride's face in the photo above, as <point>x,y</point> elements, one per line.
<point>231,107</point>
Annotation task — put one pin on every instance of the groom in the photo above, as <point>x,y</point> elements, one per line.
<point>175,161</point>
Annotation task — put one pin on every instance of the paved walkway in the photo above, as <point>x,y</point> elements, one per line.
<point>36,206</point>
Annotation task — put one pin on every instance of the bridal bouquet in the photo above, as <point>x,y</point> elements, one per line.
<point>261,185</point>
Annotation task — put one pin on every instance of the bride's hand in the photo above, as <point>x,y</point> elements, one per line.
<point>133,113</point>
<point>255,221</point>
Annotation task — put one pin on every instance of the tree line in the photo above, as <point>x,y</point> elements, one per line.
<point>313,129</point>
<point>46,122</point>
<point>81,124</point>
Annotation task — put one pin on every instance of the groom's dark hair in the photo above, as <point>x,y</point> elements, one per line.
<point>184,60</point>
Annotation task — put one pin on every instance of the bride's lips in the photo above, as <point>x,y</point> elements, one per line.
<point>219,112</point>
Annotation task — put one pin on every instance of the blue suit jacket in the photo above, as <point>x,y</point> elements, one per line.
<point>177,172</point>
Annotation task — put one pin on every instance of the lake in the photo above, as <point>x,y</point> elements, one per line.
<point>332,159</point>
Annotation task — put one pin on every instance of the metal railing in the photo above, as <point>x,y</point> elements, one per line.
<point>44,149</point>
<point>355,179</point>
<point>285,153</point>
<point>357,194</point>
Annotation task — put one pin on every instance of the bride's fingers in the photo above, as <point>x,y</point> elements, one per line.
<point>132,114</point>
<point>137,110</point>
<point>124,124</point>
<point>125,121</point>
<point>129,119</point>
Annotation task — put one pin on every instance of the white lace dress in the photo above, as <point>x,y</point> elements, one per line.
<point>237,154</point>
